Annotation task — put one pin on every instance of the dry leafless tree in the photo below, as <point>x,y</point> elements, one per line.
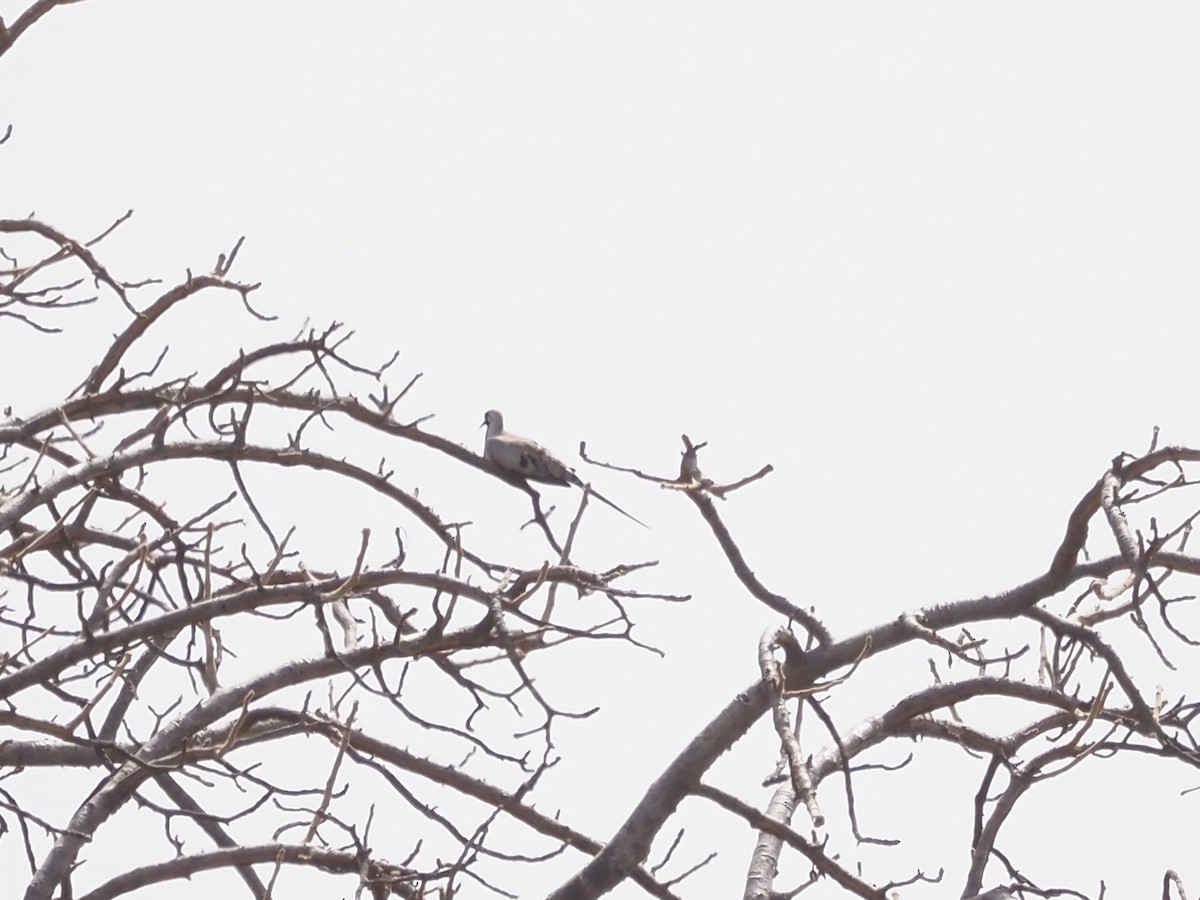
<point>119,610</point>
<point>123,605</point>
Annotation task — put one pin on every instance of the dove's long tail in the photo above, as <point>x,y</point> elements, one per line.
<point>599,496</point>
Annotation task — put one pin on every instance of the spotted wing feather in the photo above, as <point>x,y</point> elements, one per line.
<point>530,460</point>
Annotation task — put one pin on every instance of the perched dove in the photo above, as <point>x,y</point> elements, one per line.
<point>532,461</point>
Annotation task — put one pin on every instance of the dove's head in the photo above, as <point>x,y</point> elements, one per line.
<point>494,422</point>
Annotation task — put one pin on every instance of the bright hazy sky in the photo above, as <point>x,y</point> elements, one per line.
<point>936,262</point>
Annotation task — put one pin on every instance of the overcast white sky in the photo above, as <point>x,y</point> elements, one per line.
<point>936,262</point>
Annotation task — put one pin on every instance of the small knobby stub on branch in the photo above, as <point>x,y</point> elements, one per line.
<point>692,479</point>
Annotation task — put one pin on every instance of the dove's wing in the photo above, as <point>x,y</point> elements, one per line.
<point>529,459</point>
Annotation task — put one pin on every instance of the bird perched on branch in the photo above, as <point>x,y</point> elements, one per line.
<point>532,461</point>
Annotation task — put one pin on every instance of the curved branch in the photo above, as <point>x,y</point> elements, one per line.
<point>333,861</point>
<point>116,789</point>
<point>108,466</point>
<point>254,597</point>
<point>143,320</point>
<point>757,589</point>
<point>66,246</point>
